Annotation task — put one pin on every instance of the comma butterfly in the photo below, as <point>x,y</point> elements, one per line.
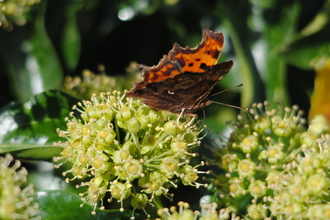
<point>183,79</point>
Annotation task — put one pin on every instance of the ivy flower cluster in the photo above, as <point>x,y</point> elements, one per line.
<point>208,212</point>
<point>16,201</point>
<point>275,167</point>
<point>94,83</point>
<point>127,149</point>
<point>13,11</point>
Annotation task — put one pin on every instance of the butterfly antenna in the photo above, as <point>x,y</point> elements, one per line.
<point>240,85</point>
<point>233,106</point>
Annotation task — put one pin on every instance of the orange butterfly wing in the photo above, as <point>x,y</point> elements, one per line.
<point>180,60</point>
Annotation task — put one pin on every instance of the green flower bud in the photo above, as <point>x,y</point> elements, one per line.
<point>84,159</point>
<point>249,144</point>
<point>293,210</point>
<point>317,184</point>
<point>144,121</point>
<point>169,166</point>
<point>246,168</point>
<point>93,112</point>
<point>124,113</point>
<point>236,187</point>
<point>275,154</point>
<point>273,177</point>
<point>133,169</point>
<point>79,172</point>
<point>257,188</point>
<point>140,201</point>
<point>96,190</point>
<point>261,124</point>
<point>106,136</point>
<point>319,125</point>
<point>179,146</point>
<point>170,128</point>
<point>100,124</point>
<point>133,125</point>
<point>101,162</point>
<point>257,211</point>
<point>316,212</point>
<point>120,191</point>
<point>131,147</point>
<point>121,156</point>
<point>282,128</point>
<point>229,162</point>
<point>189,175</point>
<point>155,116</point>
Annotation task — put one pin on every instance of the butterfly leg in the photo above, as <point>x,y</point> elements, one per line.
<point>178,119</point>
<point>193,117</point>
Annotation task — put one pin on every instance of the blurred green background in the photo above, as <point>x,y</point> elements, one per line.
<point>275,44</point>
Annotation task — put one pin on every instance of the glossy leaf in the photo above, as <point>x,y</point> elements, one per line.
<point>43,56</point>
<point>28,130</point>
<point>31,60</point>
<point>278,32</point>
<point>71,37</point>
<point>307,52</point>
<point>63,205</point>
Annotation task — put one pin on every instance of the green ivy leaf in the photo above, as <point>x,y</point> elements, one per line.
<point>71,37</point>
<point>63,205</point>
<point>307,58</point>
<point>306,52</point>
<point>40,68</point>
<point>28,130</point>
<point>278,32</point>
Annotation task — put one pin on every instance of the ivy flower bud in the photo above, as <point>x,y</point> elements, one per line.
<point>140,201</point>
<point>246,168</point>
<point>257,211</point>
<point>170,166</point>
<point>274,154</point>
<point>190,175</point>
<point>261,123</point>
<point>249,144</point>
<point>133,168</point>
<point>178,145</point>
<point>317,184</point>
<point>133,125</point>
<point>120,191</point>
<point>170,128</point>
<point>257,188</point>
<point>236,187</point>
<point>124,113</point>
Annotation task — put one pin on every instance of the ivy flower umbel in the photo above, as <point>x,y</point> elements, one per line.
<point>275,167</point>
<point>16,202</point>
<point>129,150</point>
<point>13,11</point>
